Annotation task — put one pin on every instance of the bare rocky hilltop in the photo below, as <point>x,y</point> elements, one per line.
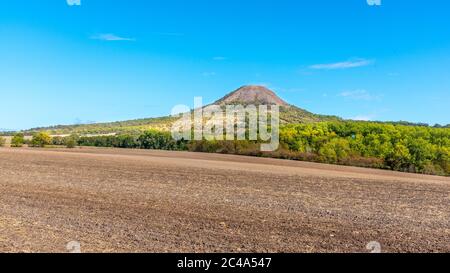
<point>252,94</point>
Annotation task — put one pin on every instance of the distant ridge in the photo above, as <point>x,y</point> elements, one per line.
<point>6,130</point>
<point>245,95</point>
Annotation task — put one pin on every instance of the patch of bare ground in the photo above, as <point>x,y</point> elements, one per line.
<point>152,201</point>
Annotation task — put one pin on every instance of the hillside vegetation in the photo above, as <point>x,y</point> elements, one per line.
<point>118,127</point>
<point>288,115</point>
<point>396,147</point>
<point>365,144</point>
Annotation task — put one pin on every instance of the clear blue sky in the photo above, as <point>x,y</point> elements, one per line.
<point>118,60</point>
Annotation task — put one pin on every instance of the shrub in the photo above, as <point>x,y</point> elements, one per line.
<point>71,142</point>
<point>18,140</point>
<point>328,154</point>
<point>41,139</point>
<point>126,141</point>
<point>157,140</point>
<point>432,169</point>
<point>58,141</point>
<point>2,141</point>
<point>366,162</point>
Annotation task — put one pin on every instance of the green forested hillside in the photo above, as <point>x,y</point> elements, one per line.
<point>395,147</point>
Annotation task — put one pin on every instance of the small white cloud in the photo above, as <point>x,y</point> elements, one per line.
<point>74,2</point>
<point>342,65</point>
<point>373,116</point>
<point>360,94</point>
<point>111,37</point>
<point>363,118</point>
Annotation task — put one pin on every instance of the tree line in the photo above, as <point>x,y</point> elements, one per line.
<point>395,147</point>
<point>416,149</point>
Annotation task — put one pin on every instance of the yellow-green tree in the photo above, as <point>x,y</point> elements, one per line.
<point>41,139</point>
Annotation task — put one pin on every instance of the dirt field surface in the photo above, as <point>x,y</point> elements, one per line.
<point>152,201</point>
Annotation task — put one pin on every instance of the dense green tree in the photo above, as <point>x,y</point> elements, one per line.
<point>335,150</point>
<point>399,158</point>
<point>156,140</point>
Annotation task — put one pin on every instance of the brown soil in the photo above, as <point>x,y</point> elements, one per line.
<point>153,201</point>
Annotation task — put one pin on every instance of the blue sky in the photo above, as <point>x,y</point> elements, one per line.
<point>118,60</point>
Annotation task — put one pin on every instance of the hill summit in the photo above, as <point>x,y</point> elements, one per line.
<point>252,94</point>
